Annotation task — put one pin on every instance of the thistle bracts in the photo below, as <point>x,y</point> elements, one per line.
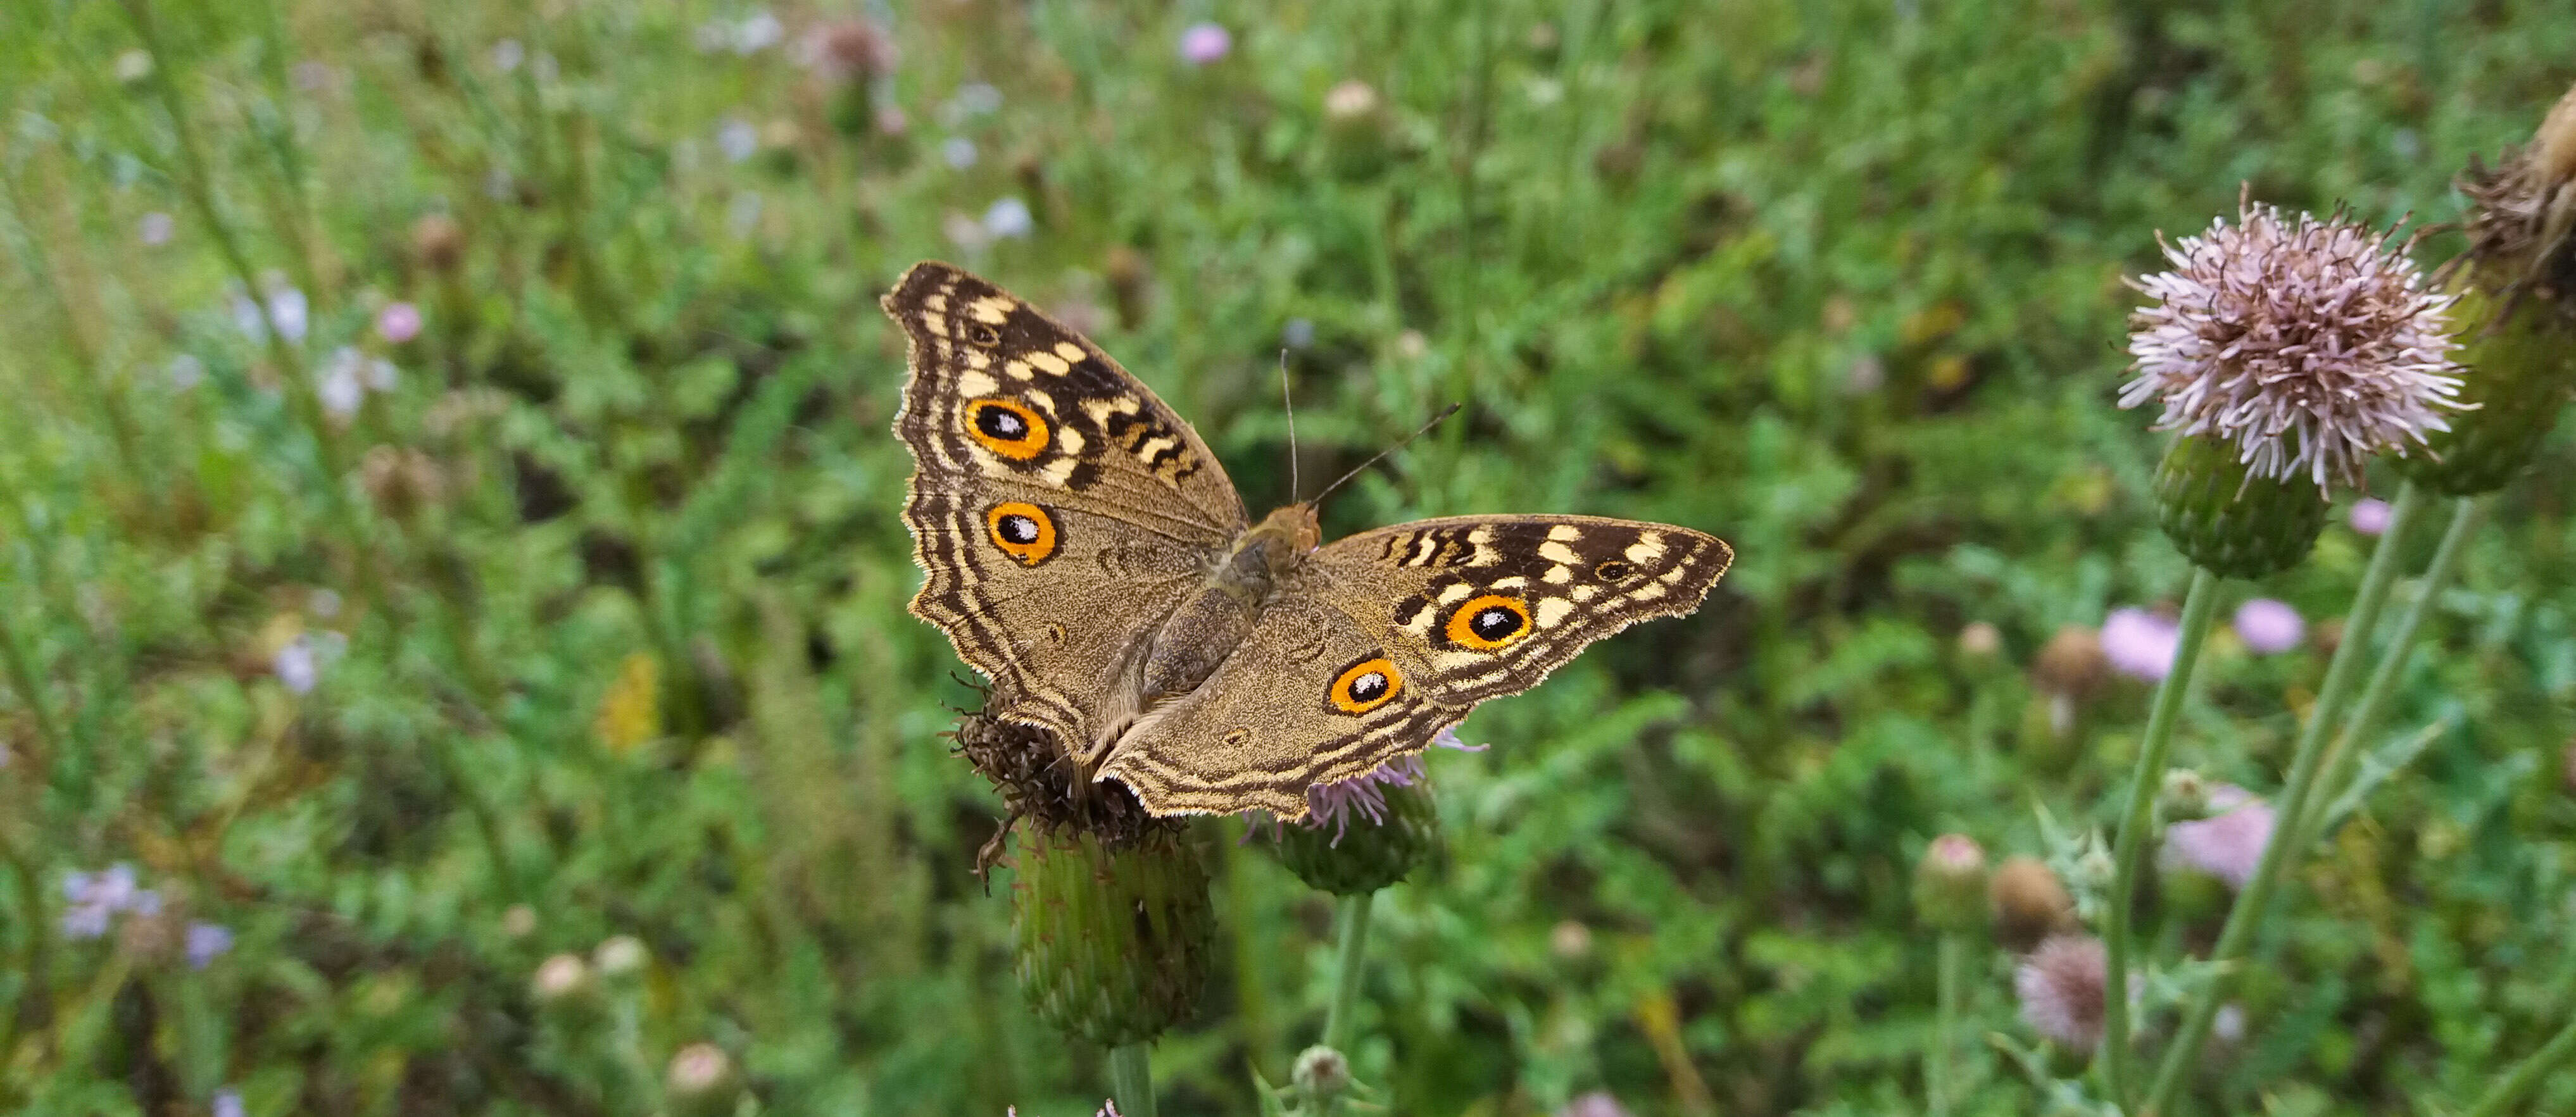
<point>2229,520</point>
<point>1365,854</point>
<point>2517,313</point>
<point>1114,941</point>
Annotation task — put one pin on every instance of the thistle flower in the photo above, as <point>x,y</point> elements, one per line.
<point>2228,844</point>
<point>2140,644</point>
<point>701,1080</point>
<point>2308,345</point>
<point>2269,627</point>
<point>398,322</point>
<point>1204,43</point>
<point>2061,988</point>
<point>2370,515</point>
<point>1598,1103</point>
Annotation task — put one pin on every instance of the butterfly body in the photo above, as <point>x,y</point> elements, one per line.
<point>1084,550</point>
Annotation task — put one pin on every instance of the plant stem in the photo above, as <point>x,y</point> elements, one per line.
<point>1131,1079</point>
<point>1352,924</point>
<point>2527,1074</point>
<point>2199,605</point>
<point>2466,514</point>
<point>2297,788</point>
<point>1938,1080</point>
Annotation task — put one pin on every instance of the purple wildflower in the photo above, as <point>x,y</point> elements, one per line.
<point>2370,515</point>
<point>1598,1103</point>
<point>2140,644</point>
<point>2061,987</point>
<point>296,667</point>
<point>97,898</point>
<point>228,1103</point>
<point>398,322</point>
<point>1203,43</point>
<point>207,942</point>
<point>2229,843</point>
<point>2269,627</point>
<point>156,228</point>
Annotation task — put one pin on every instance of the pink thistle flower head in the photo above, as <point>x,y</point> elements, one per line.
<point>2269,627</point>
<point>2310,344</point>
<point>1203,43</point>
<point>2140,644</point>
<point>2229,843</point>
<point>2061,988</point>
<point>398,322</point>
<point>2370,515</point>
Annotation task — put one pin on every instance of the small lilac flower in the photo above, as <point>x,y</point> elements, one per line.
<point>1598,1103</point>
<point>398,322</point>
<point>507,54</point>
<point>1334,804</point>
<point>2269,627</point>
<point>1203,43</point>
<point>342,390</point>
<point>757,32</point>
<point>207,942</point>
<point>892,122</point>
<point>2227,845</point>
<point>1008,218</point>
<point>958,152</point>
<point>96,899</point>
<point>977,98</point>
<point>2139,643</point>
<point>295,666</point>
<point>738,139</point>
<point>742,214</point>
<point>186,371</point>
<point>286,312</point>
<point>1298,333</point>
<point>156,228</point>
<point>2370,515</point>
<point>228,1103</point>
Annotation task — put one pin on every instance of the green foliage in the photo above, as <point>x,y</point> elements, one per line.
<point>604,591</point>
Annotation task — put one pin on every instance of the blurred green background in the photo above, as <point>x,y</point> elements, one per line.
<point>407,652</point>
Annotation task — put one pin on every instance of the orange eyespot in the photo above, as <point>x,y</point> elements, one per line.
<point>1023,531</point>
<point>1367,685</point>
<point>1488,622</point>
<point>1007,427</point>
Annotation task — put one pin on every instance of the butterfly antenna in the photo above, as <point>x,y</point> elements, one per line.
<point>1290,406</point>
<point>1381,455</point>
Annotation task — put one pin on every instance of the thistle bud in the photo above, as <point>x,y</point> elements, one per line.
<point>2028,903</point>
<point>2229,520</point>
<point>1356,130</point>
<point>701,1081</point>
<point>620,958</point>
<point>2519,359</point>
<point>2061,987</point>
<point>1321,1073</point>
<point>438,242</point>
<point>2184,796</point>
<point>1950,884</point>
<point>1364,834</point>
<point>2072,664</point>
<point>562,981</point>
<point>1114,941</point>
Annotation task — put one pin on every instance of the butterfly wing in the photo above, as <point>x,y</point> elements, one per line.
<point>1058,508</point>
<point>1444,613</point>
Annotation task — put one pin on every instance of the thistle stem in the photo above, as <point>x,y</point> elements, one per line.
<point>1939,1081</point>
<point>2538,1065</point>
<point>1352,927</point>
<point>2200,603</point>
<point>2297,788</point>
<point>2467,513</point>
<point>1131,1079</point>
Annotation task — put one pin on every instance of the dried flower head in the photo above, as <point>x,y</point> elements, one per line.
<point>2523,210</point>
<point>2310,344</point>
<point>2072,663</point>
<point>2061,988</point>
<point>2028,901</point>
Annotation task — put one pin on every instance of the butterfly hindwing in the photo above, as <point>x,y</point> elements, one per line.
<point>1488,605</point>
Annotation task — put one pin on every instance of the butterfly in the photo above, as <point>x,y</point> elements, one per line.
<point>1086,553</point>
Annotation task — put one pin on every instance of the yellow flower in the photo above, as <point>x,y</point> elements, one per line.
<point>630,713</point>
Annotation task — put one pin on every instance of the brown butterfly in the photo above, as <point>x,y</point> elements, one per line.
<point>1086,553</point>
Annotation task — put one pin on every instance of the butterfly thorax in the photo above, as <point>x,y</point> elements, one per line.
<point>1223,611</point>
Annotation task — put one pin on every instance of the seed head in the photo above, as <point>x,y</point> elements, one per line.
<point>2309,344</point>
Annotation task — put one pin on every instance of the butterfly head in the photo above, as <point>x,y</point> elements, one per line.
<point>1294,525</point>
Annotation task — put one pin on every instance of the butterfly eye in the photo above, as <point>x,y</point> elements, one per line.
<point>1367,685</point>
<point>1489,622</point>
<point>983,335</point>
<point>1612,570</point>
<point>1023,531</point>
<point>1007,427</point>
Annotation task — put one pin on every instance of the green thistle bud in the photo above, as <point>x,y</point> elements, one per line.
<point>1114,940</point>
<point>1950,884</point>
<point>2230,521</point>
<point>2519,359</point>
<point>1363,834</point>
